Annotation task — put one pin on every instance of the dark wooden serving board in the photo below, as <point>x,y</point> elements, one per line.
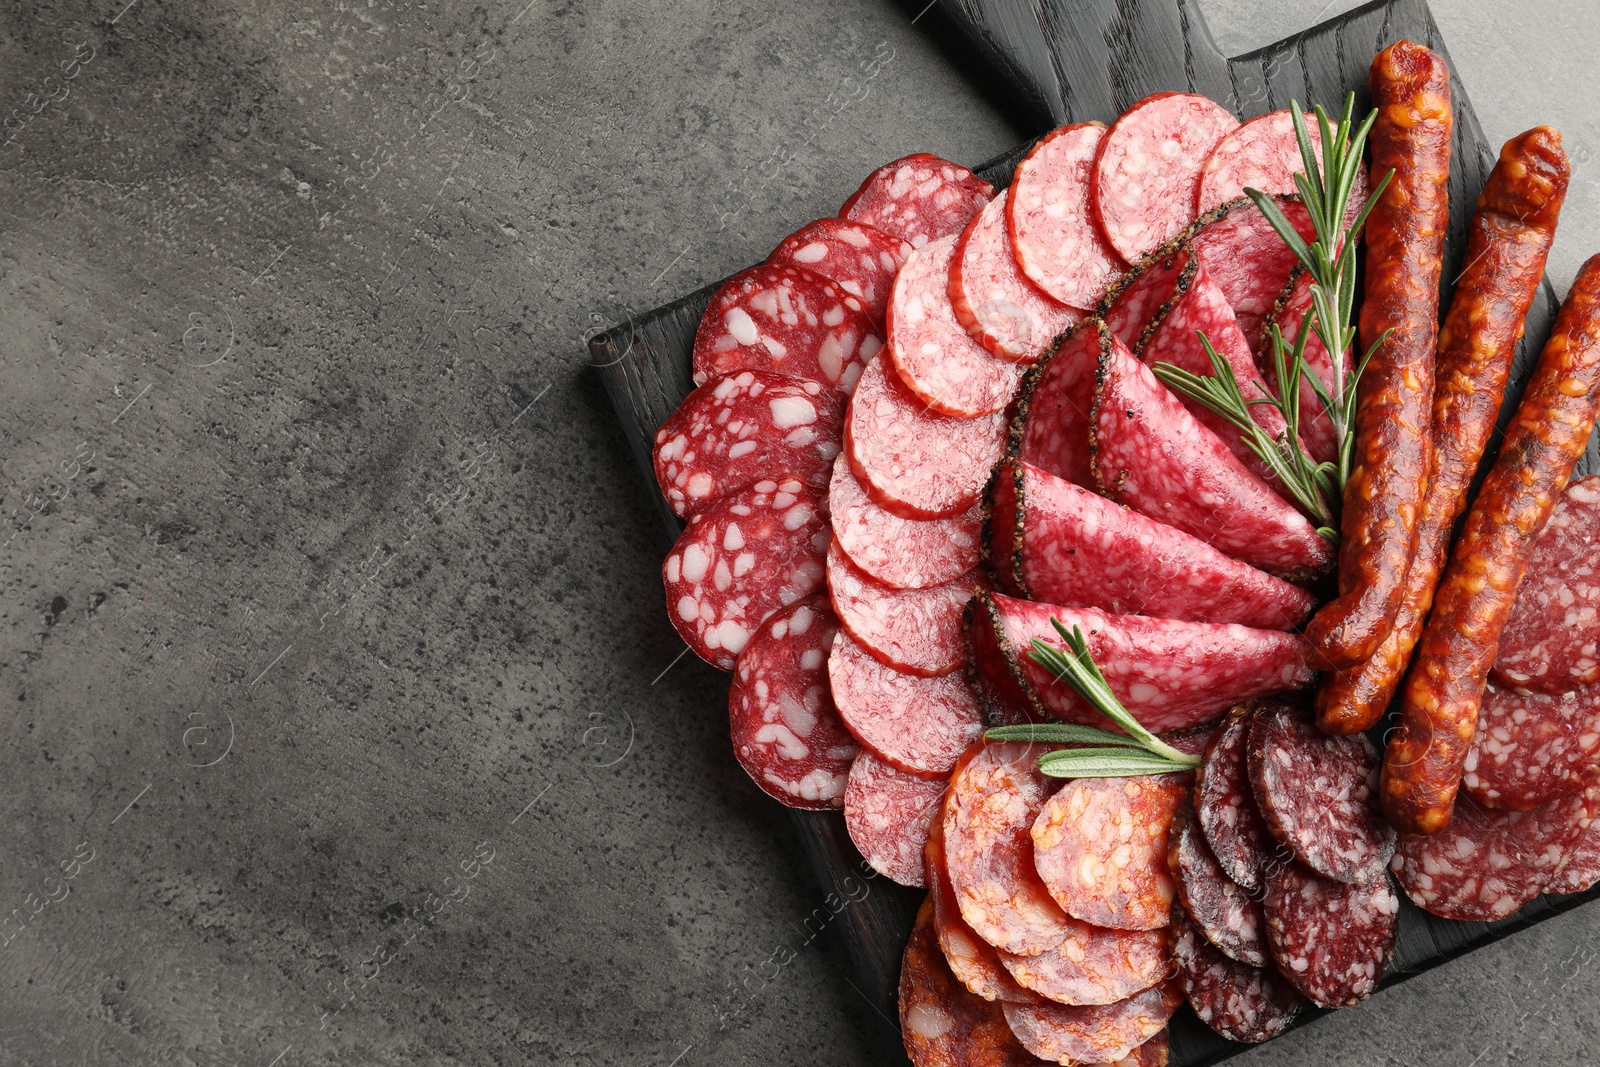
<point>1070,61</point>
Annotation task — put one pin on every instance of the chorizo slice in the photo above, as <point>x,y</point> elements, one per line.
<point>973,961</point>
<point>1095,1034</point>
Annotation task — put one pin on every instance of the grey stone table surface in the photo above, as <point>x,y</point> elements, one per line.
<point>341,720</point>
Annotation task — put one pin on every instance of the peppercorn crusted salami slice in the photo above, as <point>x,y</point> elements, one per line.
<point>1095,1034</point>
<point>899,552</point>
<point>1531,747</point>
<point>918,724</point>
<point>1093,965</point>
<point>1238,1001</point>
<point>1141,299</point>
<point>1225,803</point>
<point>787,320</point>
<point>1551,644</point>
<point>1051,427</point>
<point>786,733</point>
<point>1058,244</point>
<point>1245,256</point>
<point>918,198</point>
<point>1228,916</point>
<point>1261,154</point>
<point>913,630</point>
<point>888,812</point>
<point>1317,431</point>
<point>998,306</point>
<point>858,258</point>
<point>742,428</point>
<point>974,962</point>
<point>1331,939</point>
<point>739,560</point>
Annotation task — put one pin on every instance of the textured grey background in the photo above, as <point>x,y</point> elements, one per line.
<point>325,576</point>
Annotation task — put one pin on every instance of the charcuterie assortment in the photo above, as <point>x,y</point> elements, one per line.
<point>1071,537</point>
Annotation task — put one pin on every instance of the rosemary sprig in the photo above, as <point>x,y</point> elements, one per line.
<point>1107,755</point>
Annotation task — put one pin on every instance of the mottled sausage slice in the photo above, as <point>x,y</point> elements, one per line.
<point>1147,169</point>
<point>1238,1001</point>
<point>1580,869</point>
<point>974,962</point>
<point>1318,793</point>
<point>899,552</point>
<point>1531,747</point>
<point>1262,154</point>
<point>741,559</point>
<point>1225,802</point>
<point>1057,241</point>
<point>742,428</point>
<point>786,733</point>
<point>913,630</point>
<point>1317,431</point>
<point>1100,844</point>
<point>913,461</point>
<point>887,812</point>
<point>1331,939</point>
<point>1068,1035</point>
<point>1093,965</point>
<point>786,320</point>
<point>1141,299</point>
<point>1245,256</point>
<point>1551,643</point>
<point>858,258</point>
<point>1224,911</point>
<point>921,725</point>
<point>1003,311</point>
<point>918,198</point>
<point>1051,427</point>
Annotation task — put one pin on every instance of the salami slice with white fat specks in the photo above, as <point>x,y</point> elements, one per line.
<point>741,428</point>
<point>1331,939</point>
<point>1552,642</point>
<point>918,724</point>
<point>1531,747</point>
<point>913,630</point>
<point>1239,1001</point>
<point>1093,965</point>
<point>786,733</point>
<point>899,552</point>
<point>1225,802</point>
<point>787,320</point>
<point>1262,154</point>
<point>1244,255</point>
<point>1318,793</point>
<point>1220,908</point>
<point>1002,310</point>
<point>741,559</point>
<point>888,812</point>
<point>974,962</point>
<point>1096,1034</point>
<point>1057,241</point>
<point>1144,295</point>
<point>1580,869</point>
<point>1051,427</point>
<point>918,198</point>
<point>858,258</point>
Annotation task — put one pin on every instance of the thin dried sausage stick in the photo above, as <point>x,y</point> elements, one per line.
<point>1512,229</point>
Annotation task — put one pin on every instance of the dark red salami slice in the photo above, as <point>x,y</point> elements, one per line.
<point>1096,1034</point>
<point>974,962</point>
<point>1580,869</point>
<point>1145,294</point>
<point>918,198</point>
<point>1485,864</point>
<point>1059,543</point>
<point>1238,1001</point>
<point>742,428</point>
<point>1261,154</point>
<point>936,358</point>
<point>1100,844</point>
<point>1316,428</point>
<point>913,630</point>
<point>1093,965</point>
<point>1225,803</point>
<point>786,733</point>
<point>921,725</point>
<point>1552,643</point>
<point>903,553</point>
<point>1147,169</point>
<point>1317,793</point>
<point>1001,309</point>
<point>1051,426</point>
<point>915,462</point>
<point>1171,675</point>
<point>787,320</point>
<point>741,559</point>
<point>1331,939</point>
<point>1058,243</point>
<point>1531,747</point>
<point>1152,455</point>
<point>1245,256</point>
<point>1225,912</point>
<point>888,812</point>
<point>856,257</point>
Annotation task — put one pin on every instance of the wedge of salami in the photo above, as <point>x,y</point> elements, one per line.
<point>1097,1034</point>
<point>1225,802</point>
<point>888,812</point>
<point>1001,309</point>
<point>787,320</point>
<point>1051,427</point>
<point>1053,541</point>
<point>1228,916</point>
<point>899,552</point>
<point>1141,299</point>
<point>918,198</point>
<point>858,258</point>
<point>913,630</point>
<point>1171,675</point>
<point>1331,939</point>
<point>1152,455</point>
<point>1317,432</point>
<point>1093,965</point>
<point>1552,642</point>
<point>741,559</point>
<point>1318,793</point>
<point>1261,154</point>
<point>974,962</point>
<point>915,462</point>
<point>1238,1001</point>
<point>742,428</point>
<point>918,724</point>
<point>1531,747</point>
<point>1581,868</point>
<point>1245,256</point>
<point>786,733</point>
<point>1058,244</point>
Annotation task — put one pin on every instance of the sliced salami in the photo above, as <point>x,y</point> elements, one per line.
<point>1262,154</point>
<point>1147,169</point>
<point>1552,642</point>
<point>941,1023</point>
<point>1092,965</point>
<point>912,461</point>
<point>1228,916</point>
<point>918,198</point>
<point>1171,675</point>
<point>918,724</point>
<point>1152,455</point>
<point>1318,793</point>
<point>1001,309</point>
<point>899,552</point>
<point>887,812</point>
<point>1580,870</point>
<point>913,630</point>
<point>1153,1053</point>
<point>1225,803</point>
<point>787,320</point>
<point>974,962</point>
<point>1331,939</point>
<point>1531,747</point>
<point>741,559</point>
<point>1097,1034</point>
<point>1245,256</point>
<point>1053,541</point>
<point>742,428</point>
<point>1316,428</point>
<point>1238,1001</point>
<point>786,733</point>
<point>1143,297</point>
<point>858,258</point>
<point>1100,844</point>
<point>1051,427</point>
<point>1058,244</point>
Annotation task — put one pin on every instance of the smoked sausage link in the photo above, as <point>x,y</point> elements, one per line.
<point>1439,706</point>
<point>1508,243</point>
<point>1405,252</point>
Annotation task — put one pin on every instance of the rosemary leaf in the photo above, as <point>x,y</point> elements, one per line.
<point>1058,733</point>
<point>1108,766</point>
